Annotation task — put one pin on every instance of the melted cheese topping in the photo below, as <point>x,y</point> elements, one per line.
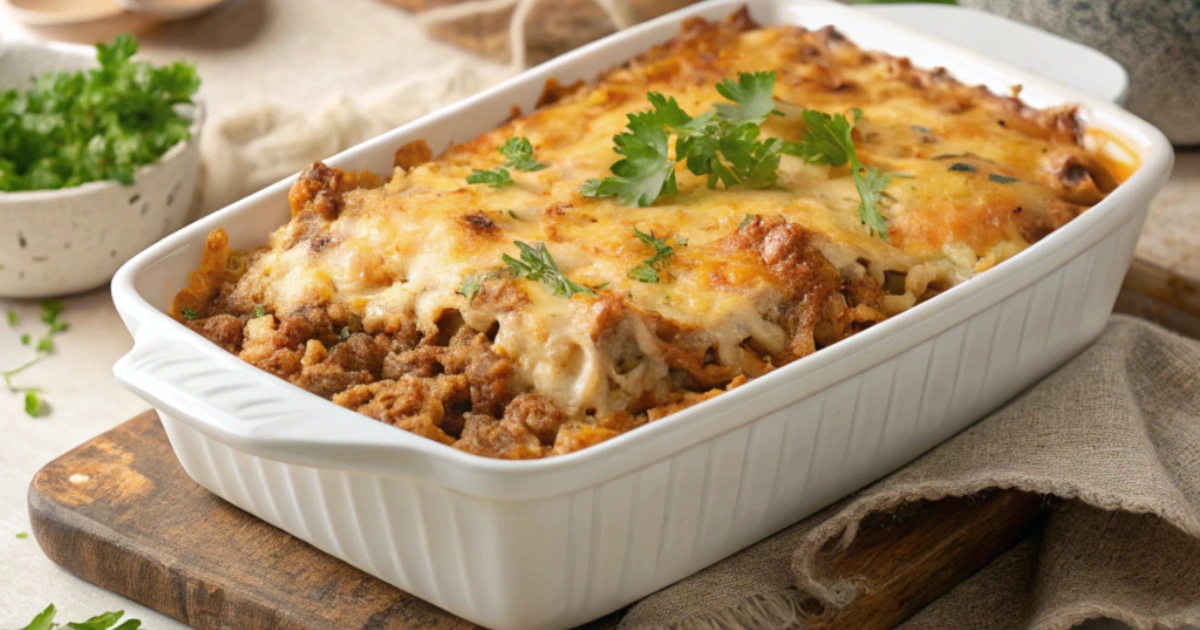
<point>402,250</point>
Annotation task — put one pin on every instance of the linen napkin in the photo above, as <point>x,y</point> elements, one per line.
<point>1114,435</point>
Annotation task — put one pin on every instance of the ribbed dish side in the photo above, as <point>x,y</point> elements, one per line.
<point>560,561</point>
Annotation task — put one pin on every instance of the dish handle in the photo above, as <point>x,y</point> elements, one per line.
<point>273,419</point>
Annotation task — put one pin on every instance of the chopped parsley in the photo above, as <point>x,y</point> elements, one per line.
<point>51,312</point>
<point>189,314</point>
<point>496,178</point>
<point>470,286</point>
<point>537,264</point>
<point>519,152</point>
<point>33,403</point>
<point>12,318</point>
<point>519,156</point>
<point>745,221</point>
<point>22,535</point>
<point>259,311</point>
<point>962,167</point>
<point>649,270</point>
<point>1002,179</point>
<point>107,621</point>
<point>828,140</point>
<point>70,128</point>
<point>344,333</point>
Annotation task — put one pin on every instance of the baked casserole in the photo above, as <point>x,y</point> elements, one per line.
<point>726,203</point>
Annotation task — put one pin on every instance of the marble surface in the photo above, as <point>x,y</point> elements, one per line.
<point>78,380</point>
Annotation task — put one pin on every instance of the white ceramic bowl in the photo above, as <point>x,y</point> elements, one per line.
<point>56,242</point>
<point>544,544</point>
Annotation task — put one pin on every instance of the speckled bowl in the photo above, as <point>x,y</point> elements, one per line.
<point>56,242</point>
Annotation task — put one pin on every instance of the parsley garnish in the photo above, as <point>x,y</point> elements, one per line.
<point>827,140</point>
<point>1002,179</point>
<point>721,143</point>
<point>34,405</point>
<point>496,178</point>
<point>519,154</point>
<point>189,314</point>
<point>470,286</point>
<point>537,264</point>
<point>12,318</point>
<point>70,128</point>
<point>106,621</point>
<point>962,166</point>
<point>745,221</point>
<point>649,269</point>
<point>22,535</point>
<point>259,311</point>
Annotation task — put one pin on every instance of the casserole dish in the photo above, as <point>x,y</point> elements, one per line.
<point>556,542</point>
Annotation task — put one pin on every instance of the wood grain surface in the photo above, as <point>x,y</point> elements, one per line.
<point>119,511</point>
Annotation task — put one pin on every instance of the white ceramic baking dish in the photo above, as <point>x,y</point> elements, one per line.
<point>556,542</point>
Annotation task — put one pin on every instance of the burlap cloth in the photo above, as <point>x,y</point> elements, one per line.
<point>1114,434</point>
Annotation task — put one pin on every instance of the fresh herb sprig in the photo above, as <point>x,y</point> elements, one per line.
<point>648,271</point>
<point>722,144</point>
<point>106,621</point>
<point>519,154</point>
<point>70,128</point>
<point>828,140</point>
<point>725,144</point>
<point>35,407</point>
<point>537,264</point>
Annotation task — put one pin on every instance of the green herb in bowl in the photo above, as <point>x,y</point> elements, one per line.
<point>71,128</point>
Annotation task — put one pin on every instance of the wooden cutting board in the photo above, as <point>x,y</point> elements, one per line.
<point>119,511</point>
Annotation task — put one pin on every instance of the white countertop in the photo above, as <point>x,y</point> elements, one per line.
<point>78,379</point>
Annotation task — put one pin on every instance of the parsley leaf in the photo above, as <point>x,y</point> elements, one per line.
<point>870,184</point>
<point>259,311</point>
<point>649,269</point>
<point>752,95</point>
<point>12,318</point>
<point>519,152</point>
<point>828,140</point>
<point>33,403</point>
<point>189,314</point>
<point>470,286</point>
<point>537,264</point>
<point>1002,179</point>
<point>646,171</point>
<point>22,535</point>
<point>721,143</point>
<point>70,128</point>
<point>44,620</point>
<point>344,333</point>
<point>496,178</point>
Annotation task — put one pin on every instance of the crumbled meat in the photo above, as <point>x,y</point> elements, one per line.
<point>223,330</point>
